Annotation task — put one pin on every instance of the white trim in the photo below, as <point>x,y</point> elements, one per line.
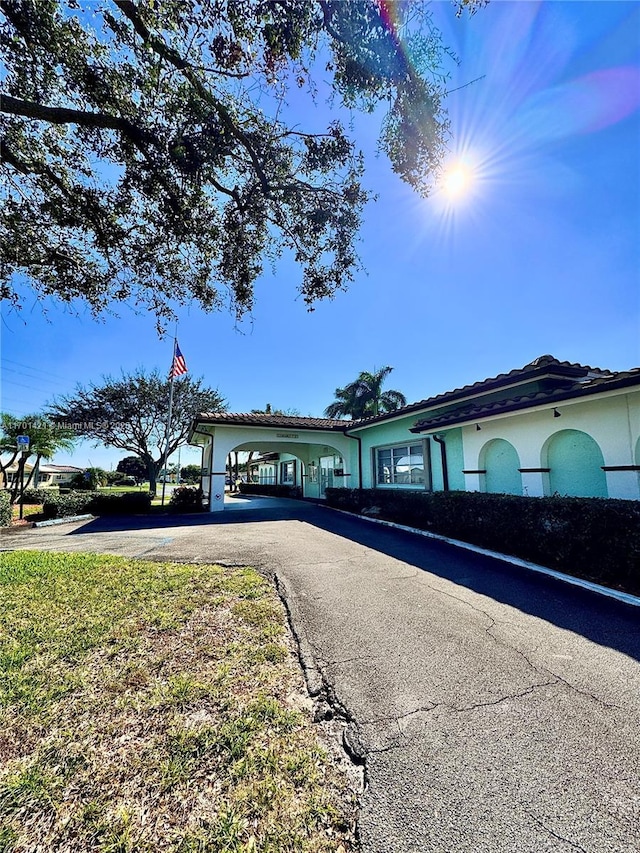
<point>542,407</point>
<point>470,396</point>
<point>405,445</point>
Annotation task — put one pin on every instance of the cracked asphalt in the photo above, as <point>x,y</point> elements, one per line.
<point>493,709</point>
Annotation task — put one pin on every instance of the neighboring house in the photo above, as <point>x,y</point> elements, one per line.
<point>548,427</point>
<point>48,475</point>
<point>264,470</point>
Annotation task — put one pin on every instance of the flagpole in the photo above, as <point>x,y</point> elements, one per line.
<point>166,447</point>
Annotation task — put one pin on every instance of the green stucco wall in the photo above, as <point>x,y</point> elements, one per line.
<point>575,461</point>
<point>388,432</point>
<point>455,459</point>
<point>398,432</point>
<point>500,459</point>
<point>436,465</point>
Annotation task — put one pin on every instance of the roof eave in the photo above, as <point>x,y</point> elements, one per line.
<point>573,395</point>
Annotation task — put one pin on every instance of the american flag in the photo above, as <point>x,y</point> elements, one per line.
<point>179,364</point>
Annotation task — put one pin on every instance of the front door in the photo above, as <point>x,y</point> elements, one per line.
<point>326,474</point>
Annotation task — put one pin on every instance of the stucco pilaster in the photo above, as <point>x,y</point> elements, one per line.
<point>624,484</point>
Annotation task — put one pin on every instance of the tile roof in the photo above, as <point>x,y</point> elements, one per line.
<point>544,365</point>
<point>571,380</point>
<point>581,388</point>
<point>254,419</point>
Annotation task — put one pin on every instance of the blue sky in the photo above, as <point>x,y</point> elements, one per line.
<point>542,255</point>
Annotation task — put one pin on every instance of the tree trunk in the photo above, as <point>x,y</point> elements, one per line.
<point>4,468</point>
<point>16,486</point>
<point>33,471</point>
<point>152,469</point>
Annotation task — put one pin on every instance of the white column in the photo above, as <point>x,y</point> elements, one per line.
<point>472,482</point>
<point>624,484</point>
<point>216,493</point>
<point>532,483</point>
<point>221,450</point>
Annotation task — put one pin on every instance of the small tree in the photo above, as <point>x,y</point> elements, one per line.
<point>132,466</point>
<point>90,479</point>
<point>190,474</point>
<point>131,413</point>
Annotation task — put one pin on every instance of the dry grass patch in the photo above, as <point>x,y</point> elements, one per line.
<point>148,707</point>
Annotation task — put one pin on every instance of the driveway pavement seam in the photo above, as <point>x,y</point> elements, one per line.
<point>553,834</point>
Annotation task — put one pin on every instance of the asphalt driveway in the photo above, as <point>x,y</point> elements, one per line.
<point>494,710</point>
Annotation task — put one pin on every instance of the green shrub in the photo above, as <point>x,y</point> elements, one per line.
<point>279,491</point>
<point>35,496</point>
<point>95,503</point>
<point>67,504</point>
<point>187,498</point>
<point>90,479</point>
<point>593,538</point>
<point>5,509</point>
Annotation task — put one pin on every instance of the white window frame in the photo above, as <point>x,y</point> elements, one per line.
<point>404,446</point>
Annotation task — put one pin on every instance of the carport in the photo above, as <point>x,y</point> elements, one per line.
<point>323,452</point>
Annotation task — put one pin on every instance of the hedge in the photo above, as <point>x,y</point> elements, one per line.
<point>593,538</point>
<point>5,509</point>
<point>35,496</point>
<point>279,491</point>
<point>95,503</point>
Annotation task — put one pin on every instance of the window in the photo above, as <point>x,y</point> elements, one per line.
<point>288,473</point>
<point>400,466</point>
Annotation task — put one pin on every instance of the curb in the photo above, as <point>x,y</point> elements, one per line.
<point>624,597</point>
<point>50,522</point>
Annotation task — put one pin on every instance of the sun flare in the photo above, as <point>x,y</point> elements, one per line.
<point>457,181</point>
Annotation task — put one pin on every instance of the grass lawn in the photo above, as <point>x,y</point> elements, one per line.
<point>155,707</point>
<point>120,490</point>
<point>29,511</point>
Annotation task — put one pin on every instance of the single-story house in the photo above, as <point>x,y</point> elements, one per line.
<point>550,427</point>
<point>47,475</point>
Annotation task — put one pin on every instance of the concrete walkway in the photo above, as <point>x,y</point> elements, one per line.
<point>495,710</point>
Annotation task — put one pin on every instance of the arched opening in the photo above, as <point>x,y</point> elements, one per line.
<point>500,460</point>
<point>310,467</point>
<point>575,465</point>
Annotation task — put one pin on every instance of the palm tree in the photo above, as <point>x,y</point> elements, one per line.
<point>364,398</point>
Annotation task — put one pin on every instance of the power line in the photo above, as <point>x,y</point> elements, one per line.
<point>22,385</point>
<point>35,369</point>
<point>26,376</point>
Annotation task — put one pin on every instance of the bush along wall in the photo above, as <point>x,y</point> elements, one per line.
<point>597,539</point>
<point>5,509</point>
<point>95,503</point>
<point>279,491</point>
